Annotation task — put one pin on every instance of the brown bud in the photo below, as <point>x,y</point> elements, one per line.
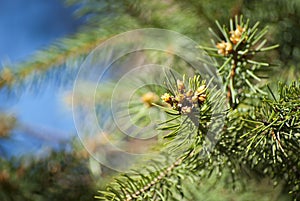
<point>224,48</point>
<point>202,98</point>
<point>149,98</point>
<point>195,99</point>
<point>180,86</point>
<point>200,90</point>
<point>189,93</point>
<point>236,35</point>
<point>186,109</point>
<point>166,98</point>
<point>179,98</point>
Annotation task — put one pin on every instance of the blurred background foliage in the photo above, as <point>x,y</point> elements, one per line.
<point>67,171</point>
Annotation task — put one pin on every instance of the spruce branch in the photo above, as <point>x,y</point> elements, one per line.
<point>67,52</point>
<point>55,56</point>
<point>259,139</point>
<point>234,52</point>
<point>273,138</point>
<point>187,148</point>
<point>104,19</point>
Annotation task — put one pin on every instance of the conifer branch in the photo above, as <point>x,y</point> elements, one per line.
<point>191,100</point>
<point>59,55</point>
<point>237,47</point>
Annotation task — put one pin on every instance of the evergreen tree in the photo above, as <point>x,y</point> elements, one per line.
<point>255,152</point>
<point>260,135</point>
